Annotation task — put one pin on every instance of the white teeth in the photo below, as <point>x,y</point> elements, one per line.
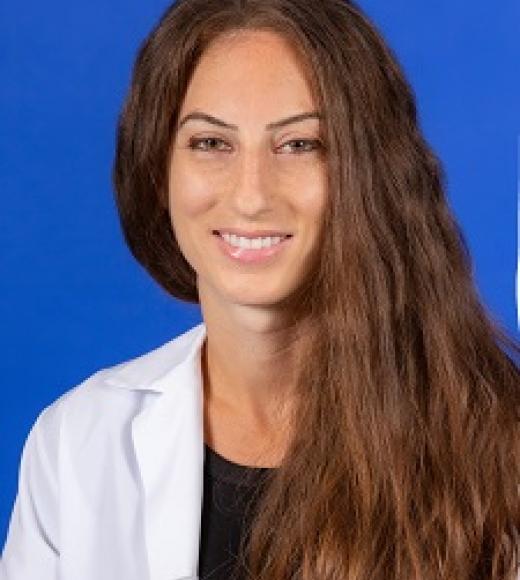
<point>251,243</point>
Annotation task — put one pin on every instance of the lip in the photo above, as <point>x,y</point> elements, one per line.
<point>252,234</point>
<point>250,256</point>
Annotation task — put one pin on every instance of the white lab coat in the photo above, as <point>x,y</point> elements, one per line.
<point>111,475</point>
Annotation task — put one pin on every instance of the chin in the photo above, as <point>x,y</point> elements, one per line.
<point>255,296</point>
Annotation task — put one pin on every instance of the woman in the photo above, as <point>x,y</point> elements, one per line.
<point>347,409</point>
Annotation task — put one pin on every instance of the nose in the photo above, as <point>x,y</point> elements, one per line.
<point>251,195</point>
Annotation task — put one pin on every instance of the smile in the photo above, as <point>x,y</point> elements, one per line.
<point>252,243</point>
<point>252,250</point>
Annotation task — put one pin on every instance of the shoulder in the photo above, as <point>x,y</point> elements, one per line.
<point>109,397</point>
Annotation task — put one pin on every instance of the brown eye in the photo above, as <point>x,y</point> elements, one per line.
<point>302,145</point>
<point>206,144</point>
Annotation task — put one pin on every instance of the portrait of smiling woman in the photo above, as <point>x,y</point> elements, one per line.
<point>347,410</point>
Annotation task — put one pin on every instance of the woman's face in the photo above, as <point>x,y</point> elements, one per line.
<point>242,165</point>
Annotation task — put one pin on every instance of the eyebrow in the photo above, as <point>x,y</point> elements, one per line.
<point>199,116</point>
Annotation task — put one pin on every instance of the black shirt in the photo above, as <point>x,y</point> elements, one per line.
<point>230,496</point>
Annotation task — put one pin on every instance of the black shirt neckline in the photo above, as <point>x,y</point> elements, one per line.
<point>222,469</point>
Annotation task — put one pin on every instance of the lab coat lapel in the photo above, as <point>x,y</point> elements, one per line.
<point>169,446</point>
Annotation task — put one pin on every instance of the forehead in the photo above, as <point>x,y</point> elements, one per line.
<point>259,67</point>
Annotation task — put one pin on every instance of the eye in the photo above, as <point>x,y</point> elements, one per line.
<point>206,144</point>
<point>303,145</point>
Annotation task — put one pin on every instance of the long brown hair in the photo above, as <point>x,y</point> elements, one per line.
<point>404,463</point>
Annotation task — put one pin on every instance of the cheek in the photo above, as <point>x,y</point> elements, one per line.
<point>311,199</point>
<point>189,194</point>
<point>308,192</point>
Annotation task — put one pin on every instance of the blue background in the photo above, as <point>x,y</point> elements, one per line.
<point>72,298</point>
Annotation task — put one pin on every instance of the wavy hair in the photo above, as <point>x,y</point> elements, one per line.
<point>404,461</point>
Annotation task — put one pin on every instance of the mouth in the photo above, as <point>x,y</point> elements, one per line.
<point>255,250</point>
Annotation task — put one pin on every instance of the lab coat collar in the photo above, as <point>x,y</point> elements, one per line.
<point>168,440</point>
<point>152,371</point>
